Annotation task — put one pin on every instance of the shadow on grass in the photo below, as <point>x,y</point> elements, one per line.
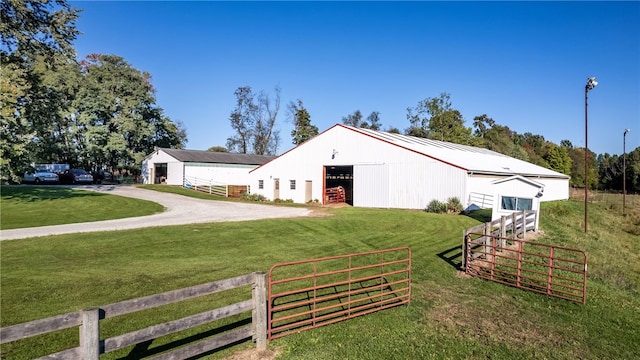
<point>28,193</point>
<point>452,256</point>
<point>482,215</point>
<point>142,350</point>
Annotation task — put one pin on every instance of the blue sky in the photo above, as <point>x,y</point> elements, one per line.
<point>524,64</point>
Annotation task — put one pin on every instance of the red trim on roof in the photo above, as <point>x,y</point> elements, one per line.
<point>402,147</point>
<point>293,148</point>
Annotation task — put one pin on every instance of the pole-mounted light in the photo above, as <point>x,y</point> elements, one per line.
<point>591,83</point>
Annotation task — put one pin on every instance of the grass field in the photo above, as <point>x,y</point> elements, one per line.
<point>29,206</point>
<point>450,316</point>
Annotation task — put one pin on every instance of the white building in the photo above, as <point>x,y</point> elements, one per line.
<point>175,166</point>
<point>386,170</point>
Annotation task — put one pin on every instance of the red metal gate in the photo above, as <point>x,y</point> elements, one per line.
<point>311,293</point>
<point>547,269</point>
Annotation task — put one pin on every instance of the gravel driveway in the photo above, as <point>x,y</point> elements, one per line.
<point>179,210</point>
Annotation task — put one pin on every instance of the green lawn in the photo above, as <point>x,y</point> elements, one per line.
<point>28,206</point>
<point>450,316</point>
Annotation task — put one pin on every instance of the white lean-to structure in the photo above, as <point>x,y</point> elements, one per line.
<point>387,170</point>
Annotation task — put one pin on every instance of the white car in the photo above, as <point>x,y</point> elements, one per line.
<point>41,177</point>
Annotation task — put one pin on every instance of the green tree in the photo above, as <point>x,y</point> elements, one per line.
<point>609,172</point>
<point>355,119</point>
<point>559,160</point>
<point>254,121</point>
<point>499,138</point>
<point>117,114</point>
<point>373,121</point>
<point>54,117</point>
<point>578,168</point>
<point>436,119</point>
<point>303,130</point>
<point>482,124</point>
<point>633,171</point>
<point>217,149</point>
<point>535,146</point>
<point>567,144</point>
<point>29,29</point>
<point>266,138</point>
<point>242,121</point>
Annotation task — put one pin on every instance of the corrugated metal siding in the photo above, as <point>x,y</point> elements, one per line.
<point>413,185</point>
<point>554,189</point>
<point>231,174</point>
<point>371,185</point>
<point>175,173</point>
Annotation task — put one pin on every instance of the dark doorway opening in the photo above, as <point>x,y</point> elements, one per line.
<point>340,176</point>
<point>160,173</point>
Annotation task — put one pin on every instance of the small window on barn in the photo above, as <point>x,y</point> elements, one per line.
<point>260,184</point>
<point>515,203</point>
<point>292,184</point>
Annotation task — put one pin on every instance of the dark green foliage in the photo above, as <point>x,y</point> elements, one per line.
<point>96,114</point>
<point>253,197</point>
<point>303,130</point>
<point>454,205</point>
<point>437,207</point>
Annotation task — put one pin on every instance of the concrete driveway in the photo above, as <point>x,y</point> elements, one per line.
<point>179,210</point>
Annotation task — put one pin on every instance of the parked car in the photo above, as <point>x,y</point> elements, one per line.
<point>76,176</point>
<point>41,177</point>
<point>105,178</point>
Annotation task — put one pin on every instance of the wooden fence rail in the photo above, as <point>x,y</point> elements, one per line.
<point>518,223</point>
<point>214,187</point>
<point>89,322</point>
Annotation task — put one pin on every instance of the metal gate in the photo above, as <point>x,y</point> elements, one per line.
<point>547,269</point>
<point>311,293</point>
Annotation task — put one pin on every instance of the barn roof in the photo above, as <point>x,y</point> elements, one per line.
<point>472,159</point>
<point>216,157</point>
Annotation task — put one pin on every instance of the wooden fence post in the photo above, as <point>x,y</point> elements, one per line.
<point>524,225</point>
<point>487,238</point>
<point>259,313</point>
<point>514,226</point>
<point>90,334</point>
<point>463,264</point>
<point>503,230</point>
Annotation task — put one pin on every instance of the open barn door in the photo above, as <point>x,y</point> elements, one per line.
<point>340,176</point>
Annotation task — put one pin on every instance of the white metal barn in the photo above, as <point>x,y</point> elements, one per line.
<point>173,166</point>
<point>387,170</point>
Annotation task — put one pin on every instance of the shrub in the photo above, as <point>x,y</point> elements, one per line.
<point>253,197</point>
<point>454,205</point>
<point>436,206</point>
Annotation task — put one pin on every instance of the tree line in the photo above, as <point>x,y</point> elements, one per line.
<point>436,118</point>
<point>101,113</point>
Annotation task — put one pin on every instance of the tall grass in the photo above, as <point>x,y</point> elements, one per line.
<point>450,316</point>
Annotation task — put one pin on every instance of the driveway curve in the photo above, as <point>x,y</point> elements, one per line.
<point>179,210</point>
